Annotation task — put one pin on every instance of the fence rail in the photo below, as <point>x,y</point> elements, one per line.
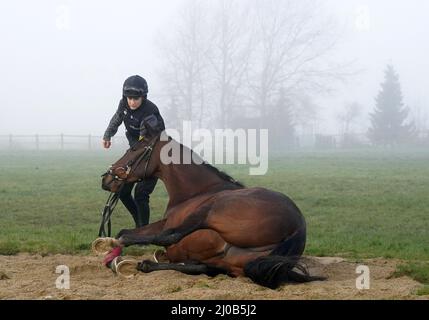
<point>56,142</point>
<point>93,142</point>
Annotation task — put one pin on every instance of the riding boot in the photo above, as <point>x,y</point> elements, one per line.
<point>143,213</point>
<point>141,196</point>
<point>129,202</point>
<point>130,205</point>
<point>138,217</point>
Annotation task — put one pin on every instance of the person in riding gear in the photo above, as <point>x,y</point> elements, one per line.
<point>142,120</point>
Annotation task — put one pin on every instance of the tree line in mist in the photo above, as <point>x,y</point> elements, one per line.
<point>262,64</point>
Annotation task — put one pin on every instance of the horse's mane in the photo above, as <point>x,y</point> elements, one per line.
<point>223,175</point>
<point>220,174</point>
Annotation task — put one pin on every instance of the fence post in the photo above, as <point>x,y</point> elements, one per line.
<point>62,141</point>
<point>10,141</point>
<point>37,141</point>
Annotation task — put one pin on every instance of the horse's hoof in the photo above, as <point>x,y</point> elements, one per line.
<point>127,268</point>
<point>145,266</point>
<point>102,246</point>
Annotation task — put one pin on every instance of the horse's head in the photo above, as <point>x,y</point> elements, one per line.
<point>135,165</point>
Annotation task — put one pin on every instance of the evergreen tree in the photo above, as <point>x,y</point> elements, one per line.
<point>388,121</point>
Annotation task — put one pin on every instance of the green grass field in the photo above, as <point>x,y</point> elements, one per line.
<point>357,204</point>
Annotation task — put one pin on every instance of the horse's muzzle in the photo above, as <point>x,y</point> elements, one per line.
<point>108,182</point>
<point>106,185</point>
<point>111,185</point>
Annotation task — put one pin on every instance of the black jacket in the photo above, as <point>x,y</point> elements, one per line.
<point>145,121</point>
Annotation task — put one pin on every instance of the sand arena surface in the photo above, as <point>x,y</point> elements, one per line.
<point>27,276</point>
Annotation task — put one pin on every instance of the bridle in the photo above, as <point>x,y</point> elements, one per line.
<point>113,198</point>
<point>145,156</point>
<point>132,164</point>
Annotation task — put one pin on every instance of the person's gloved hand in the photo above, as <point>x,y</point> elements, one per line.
<point>107,144</point>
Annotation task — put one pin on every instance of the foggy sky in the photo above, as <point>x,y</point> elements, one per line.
<point>66,77</point>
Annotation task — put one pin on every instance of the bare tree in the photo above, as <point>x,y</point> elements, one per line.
<point>230,55</point>
<point>347,119</point>
<point>348,116</point>
<point>185,68</point>
<point>294,40</point>
<point>420,117</point>
<point>306,114</point>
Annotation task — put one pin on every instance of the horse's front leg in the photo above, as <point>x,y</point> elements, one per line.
<point>195,221</point>
<point>129,234</point>
<point>147,230</point>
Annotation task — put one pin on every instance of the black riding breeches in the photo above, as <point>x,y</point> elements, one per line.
<point>139,205</point>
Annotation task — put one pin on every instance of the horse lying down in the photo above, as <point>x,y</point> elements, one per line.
<point>212,224</point>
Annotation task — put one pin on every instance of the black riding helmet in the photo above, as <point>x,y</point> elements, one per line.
<point>135,86</point>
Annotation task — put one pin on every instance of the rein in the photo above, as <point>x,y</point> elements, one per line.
<point>107,214</point>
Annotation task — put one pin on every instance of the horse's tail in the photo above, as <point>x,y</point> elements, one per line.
<point>282,264</point>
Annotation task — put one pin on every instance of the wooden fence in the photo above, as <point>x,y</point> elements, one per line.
<point>92,142</point>
<point>56,142</point>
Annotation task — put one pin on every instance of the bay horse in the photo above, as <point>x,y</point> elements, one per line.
<point>213,224</point>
